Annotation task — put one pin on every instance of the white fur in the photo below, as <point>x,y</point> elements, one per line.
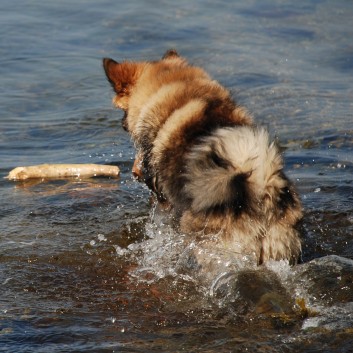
<point>248,150</point>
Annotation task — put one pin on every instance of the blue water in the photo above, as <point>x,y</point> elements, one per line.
<point>83,268</point>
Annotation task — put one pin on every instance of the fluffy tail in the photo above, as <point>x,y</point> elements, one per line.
<point>235,183</point>
<point>237,170</point>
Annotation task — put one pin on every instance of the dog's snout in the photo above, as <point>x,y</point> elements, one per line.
<point>137,169</point>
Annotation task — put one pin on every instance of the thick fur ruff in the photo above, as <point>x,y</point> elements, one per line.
<point>199,151</point>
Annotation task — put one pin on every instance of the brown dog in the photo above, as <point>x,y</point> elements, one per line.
<point>200,151</point>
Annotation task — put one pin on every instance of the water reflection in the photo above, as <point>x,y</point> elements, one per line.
<point>85,265</point>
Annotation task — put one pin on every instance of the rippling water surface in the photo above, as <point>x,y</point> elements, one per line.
<point>90,265</point>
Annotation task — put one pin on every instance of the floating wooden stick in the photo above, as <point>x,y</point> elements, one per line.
<point>56,171</point>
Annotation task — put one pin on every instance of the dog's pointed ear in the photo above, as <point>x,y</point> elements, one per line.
<point>120,75</point>
<point>172,56</point>
<point>109,68</point>
<point>171,53</point>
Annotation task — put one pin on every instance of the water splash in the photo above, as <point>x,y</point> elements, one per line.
<point>318,293</point>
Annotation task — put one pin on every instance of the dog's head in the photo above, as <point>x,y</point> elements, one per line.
<point>125,78</point>
<point>134,83</point>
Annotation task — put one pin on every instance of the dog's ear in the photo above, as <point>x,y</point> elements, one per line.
<point>171,53</point>
<point>171,56</point>
<point>122,76</point>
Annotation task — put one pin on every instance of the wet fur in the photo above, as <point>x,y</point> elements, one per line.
<point>199,151</point>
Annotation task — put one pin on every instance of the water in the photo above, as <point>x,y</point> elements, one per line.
<point>89,265</point>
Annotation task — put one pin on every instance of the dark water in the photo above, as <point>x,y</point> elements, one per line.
<point>87,265</point>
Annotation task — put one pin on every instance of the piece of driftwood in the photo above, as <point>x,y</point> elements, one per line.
<point>57,171</point>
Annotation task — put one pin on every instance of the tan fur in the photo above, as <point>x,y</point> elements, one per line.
<point>199,150</point>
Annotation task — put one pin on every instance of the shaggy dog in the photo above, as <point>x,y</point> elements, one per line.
<point>200,152</point>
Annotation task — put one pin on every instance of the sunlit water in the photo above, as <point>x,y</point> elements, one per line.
<point>91,265</point>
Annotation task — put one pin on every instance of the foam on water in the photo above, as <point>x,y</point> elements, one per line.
<point>318,293</point>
